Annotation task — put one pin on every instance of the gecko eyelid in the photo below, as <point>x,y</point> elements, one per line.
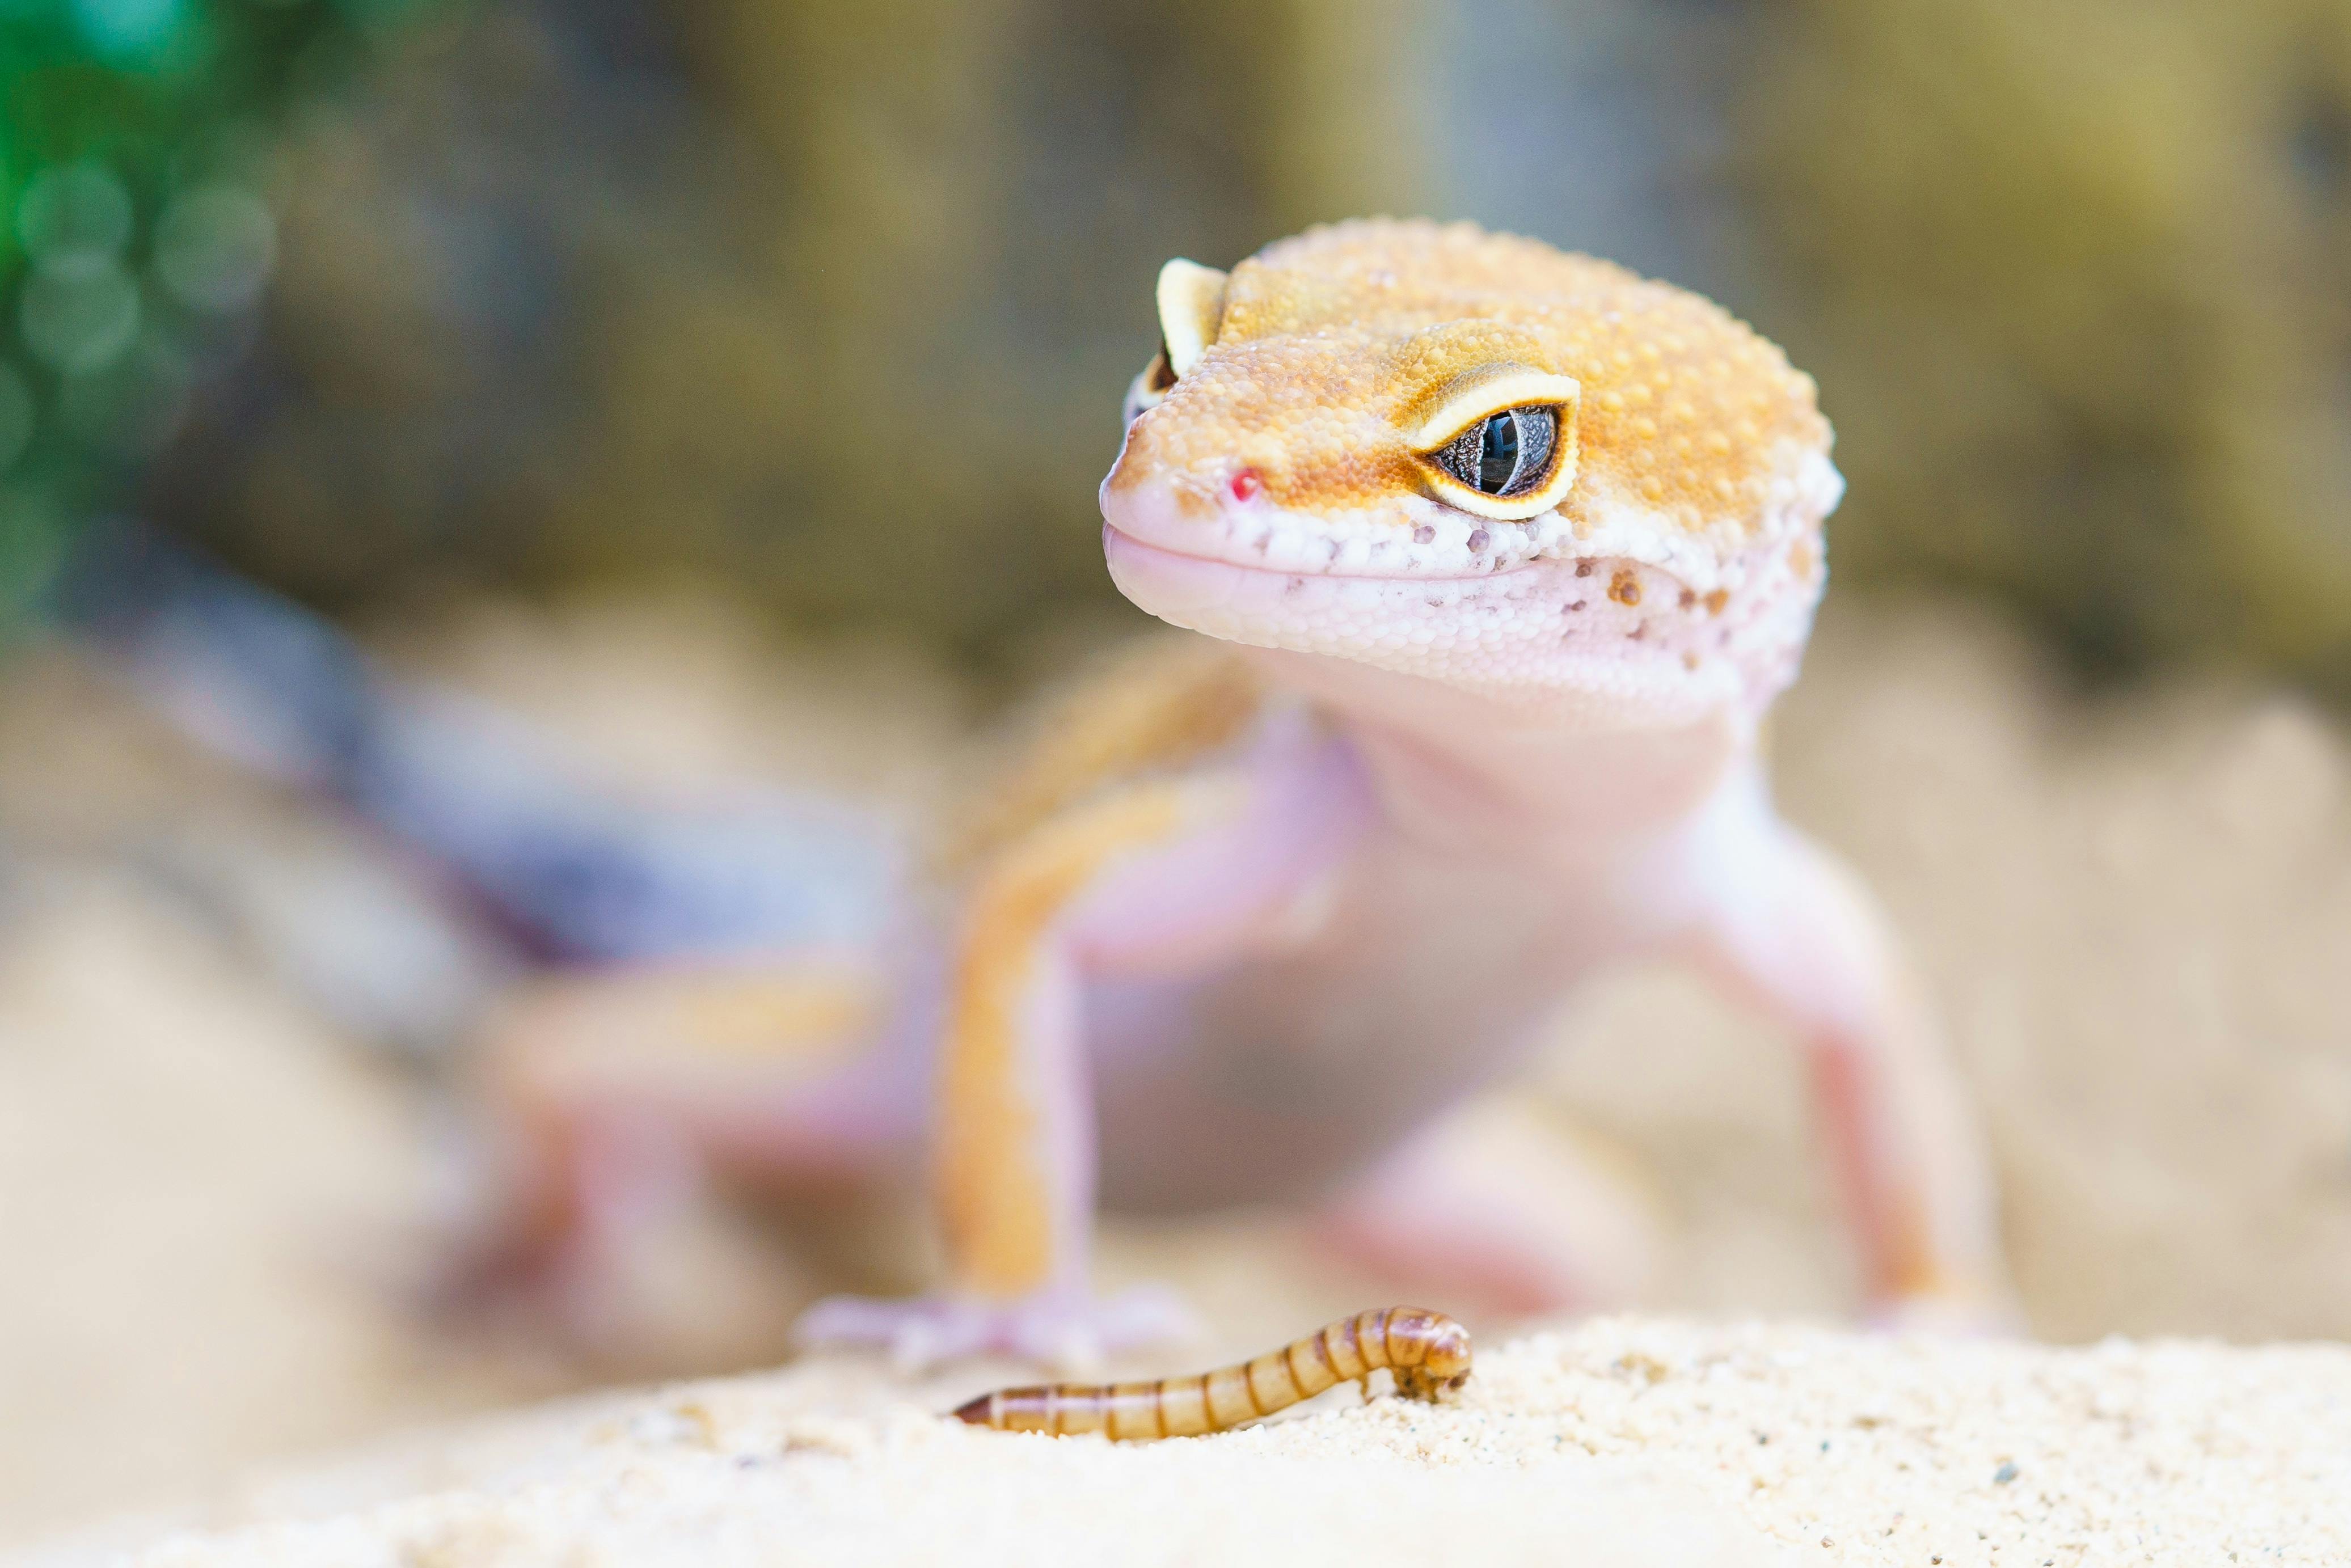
<point>1441,414</point>
<point>1191,302</point>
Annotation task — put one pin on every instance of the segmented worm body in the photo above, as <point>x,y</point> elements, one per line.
<point>1427,1351</point>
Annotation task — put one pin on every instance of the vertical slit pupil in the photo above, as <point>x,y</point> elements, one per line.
<point>1497,452</point>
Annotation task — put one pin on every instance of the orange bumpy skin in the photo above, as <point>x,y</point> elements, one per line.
<point>1290,427</point>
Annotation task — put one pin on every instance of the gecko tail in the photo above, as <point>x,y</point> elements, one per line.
<point>576,869</point>
<point>243,672</point>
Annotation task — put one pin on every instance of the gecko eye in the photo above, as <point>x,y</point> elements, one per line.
<point>1505,454</point>
<point>1147,389</point>
<point>1158,375</point>
<point>1498,442</point>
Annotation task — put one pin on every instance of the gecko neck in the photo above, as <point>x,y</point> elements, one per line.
<point>1471,767</point>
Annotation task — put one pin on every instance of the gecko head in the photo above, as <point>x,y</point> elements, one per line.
<point>1476,459</point>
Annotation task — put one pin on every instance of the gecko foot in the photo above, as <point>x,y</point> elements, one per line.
<point>1985,1313</point>
<point>1070,1332</point>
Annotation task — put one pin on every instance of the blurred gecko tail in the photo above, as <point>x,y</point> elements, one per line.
<point>574,870</point>
<point>243,672</point>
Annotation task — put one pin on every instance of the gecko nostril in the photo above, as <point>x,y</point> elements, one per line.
<point>1247,484</point>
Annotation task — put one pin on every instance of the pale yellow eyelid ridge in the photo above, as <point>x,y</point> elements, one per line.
<point>1487,390</point>
<point>1191,301</point>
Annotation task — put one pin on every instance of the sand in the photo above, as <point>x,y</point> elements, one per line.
<point>2131,910</point>
<point>1620,1441</point>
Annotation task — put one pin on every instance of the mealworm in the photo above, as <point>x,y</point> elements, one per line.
<point>1427,1351</point>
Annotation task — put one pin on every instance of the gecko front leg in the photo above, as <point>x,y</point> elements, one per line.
<point>1162,878</point>
<point>1790,928</point>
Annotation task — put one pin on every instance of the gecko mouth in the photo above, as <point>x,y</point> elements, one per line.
<point>1605,634</point>
<point>1117,541</point>
<point>1410,539</point>
<point>1139,564</point>
<point>1257,574</point>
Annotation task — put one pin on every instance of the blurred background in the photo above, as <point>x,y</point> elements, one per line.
<point>713,393</point>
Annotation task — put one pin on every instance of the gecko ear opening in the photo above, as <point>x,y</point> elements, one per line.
<point>1191,309</point>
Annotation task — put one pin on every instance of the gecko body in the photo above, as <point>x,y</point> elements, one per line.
<point>1504,553</point>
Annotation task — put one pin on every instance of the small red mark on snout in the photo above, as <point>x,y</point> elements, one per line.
<point>1247,484</point>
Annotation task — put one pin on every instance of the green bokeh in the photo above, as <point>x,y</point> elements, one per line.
<point>114,110</point>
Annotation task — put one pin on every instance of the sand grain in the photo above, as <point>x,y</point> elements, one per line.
<point>1630,1440</point>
